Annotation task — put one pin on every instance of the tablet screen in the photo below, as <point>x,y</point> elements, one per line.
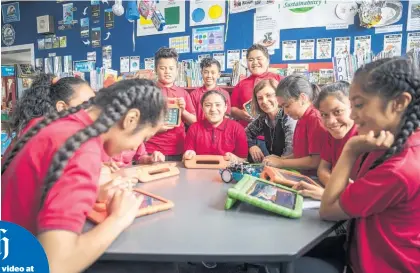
<point>273,194</point>
<point>248,107</point>
<point>295,178</point>
<point>148,200</point>
<point>172,117</point>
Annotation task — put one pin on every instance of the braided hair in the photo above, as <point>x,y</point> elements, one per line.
<point>114,102</point>
<point>40,99</point>
<point>389,78</point>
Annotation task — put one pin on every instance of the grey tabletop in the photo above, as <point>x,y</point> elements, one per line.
<point>199,228</point>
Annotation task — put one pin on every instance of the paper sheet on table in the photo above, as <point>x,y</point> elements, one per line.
<point>309,203</point>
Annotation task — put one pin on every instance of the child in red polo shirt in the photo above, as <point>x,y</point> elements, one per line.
<point>334,105</point>
<point>295,94</point>
<point>258,62</point>
<point>216,135</point>
<point>170,140</point>
<point>210,71</point>
<point>383,203</point>
<point>58,162</point>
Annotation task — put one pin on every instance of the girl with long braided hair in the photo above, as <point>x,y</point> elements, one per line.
<point>383,203</point>
<point>50,177</point>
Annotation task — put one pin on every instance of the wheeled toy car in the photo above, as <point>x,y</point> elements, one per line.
<point>236,171</point>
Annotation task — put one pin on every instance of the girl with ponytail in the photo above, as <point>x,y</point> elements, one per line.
<point>383,203</point>
<point>50,177</point>
<point>295,94</point>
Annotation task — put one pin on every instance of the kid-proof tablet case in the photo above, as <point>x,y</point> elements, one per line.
<point>284,177</point>
<point>151,204</point>
<point>207,162</point>
<point>173,116</point>
<point>266,195</point>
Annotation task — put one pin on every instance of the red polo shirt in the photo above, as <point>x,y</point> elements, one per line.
<point>243,91</point>
<point>127,157</point>
<point>171,142</point>
<point>228,137</point>
<point>198,93</point>
<point>73,194</point>
<point>308,136</point>
<point>386,204</point>
<point>333,147</point>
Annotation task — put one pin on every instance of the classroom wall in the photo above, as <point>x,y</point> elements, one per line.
<point>239,35</point>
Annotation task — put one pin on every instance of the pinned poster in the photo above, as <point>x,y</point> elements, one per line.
<point>307,49</point>
<point>109,18</point>
<point>203,56</point>
<point>41,44</point>
<point>149,63</point>
<point>181,44</point>
<point>323,48</point>
<point>58,65</point>
<point>207,39</point>
<point>413,18</point>
<point>96,37</point>
<point>174,13</point>
<point>56,42</point>
<point>413,41</point>
<point>362,45</point>
<point>91,56</point>
<point>48,63</point>
<point>107,56</point>
<point>124,64</point>
<point>10,12</point>
<point>84,27</point>
<point>39,63</point>
<point>68,14</point>
<point>220,57</point>
<point>83,66</point>
<point>96,11</point>
<point>289,49</point>
<point>204,12</point>
<point>233,56</point>
<point>266,31</point>
<point>341,46</point>
<point>244,5</point>
<point>134,63</point>
<point>393,44</point>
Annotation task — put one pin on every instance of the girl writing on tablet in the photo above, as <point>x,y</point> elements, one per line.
<point>58,162</point>
<point>383,203</point>
<point>216,135</point>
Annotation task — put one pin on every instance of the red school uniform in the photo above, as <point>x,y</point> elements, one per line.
<point>333,147</point>
<point>198,93</point>
<point>243,91</point>
<point>171,142</point>
<point>385,203</point>
<point>73,194</point>
<point>308,136</point>
<point>228,137</point>
<point>127,157</point>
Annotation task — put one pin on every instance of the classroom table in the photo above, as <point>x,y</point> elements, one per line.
<point>198,228</point>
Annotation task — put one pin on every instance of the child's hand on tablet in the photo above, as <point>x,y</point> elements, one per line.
<point>189,155</point>
<point>107,190</point>
<point>124,206</point>
<point>309,190</point>
<point>157,157</point>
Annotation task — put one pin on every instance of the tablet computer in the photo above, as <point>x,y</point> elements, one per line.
<point>285,177</point>
<point>151,204</point>
<point>173,115</point>
<point>269,196</point>
<point>248,107</point>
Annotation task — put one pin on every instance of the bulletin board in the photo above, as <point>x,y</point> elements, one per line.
<point>120,36</point>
